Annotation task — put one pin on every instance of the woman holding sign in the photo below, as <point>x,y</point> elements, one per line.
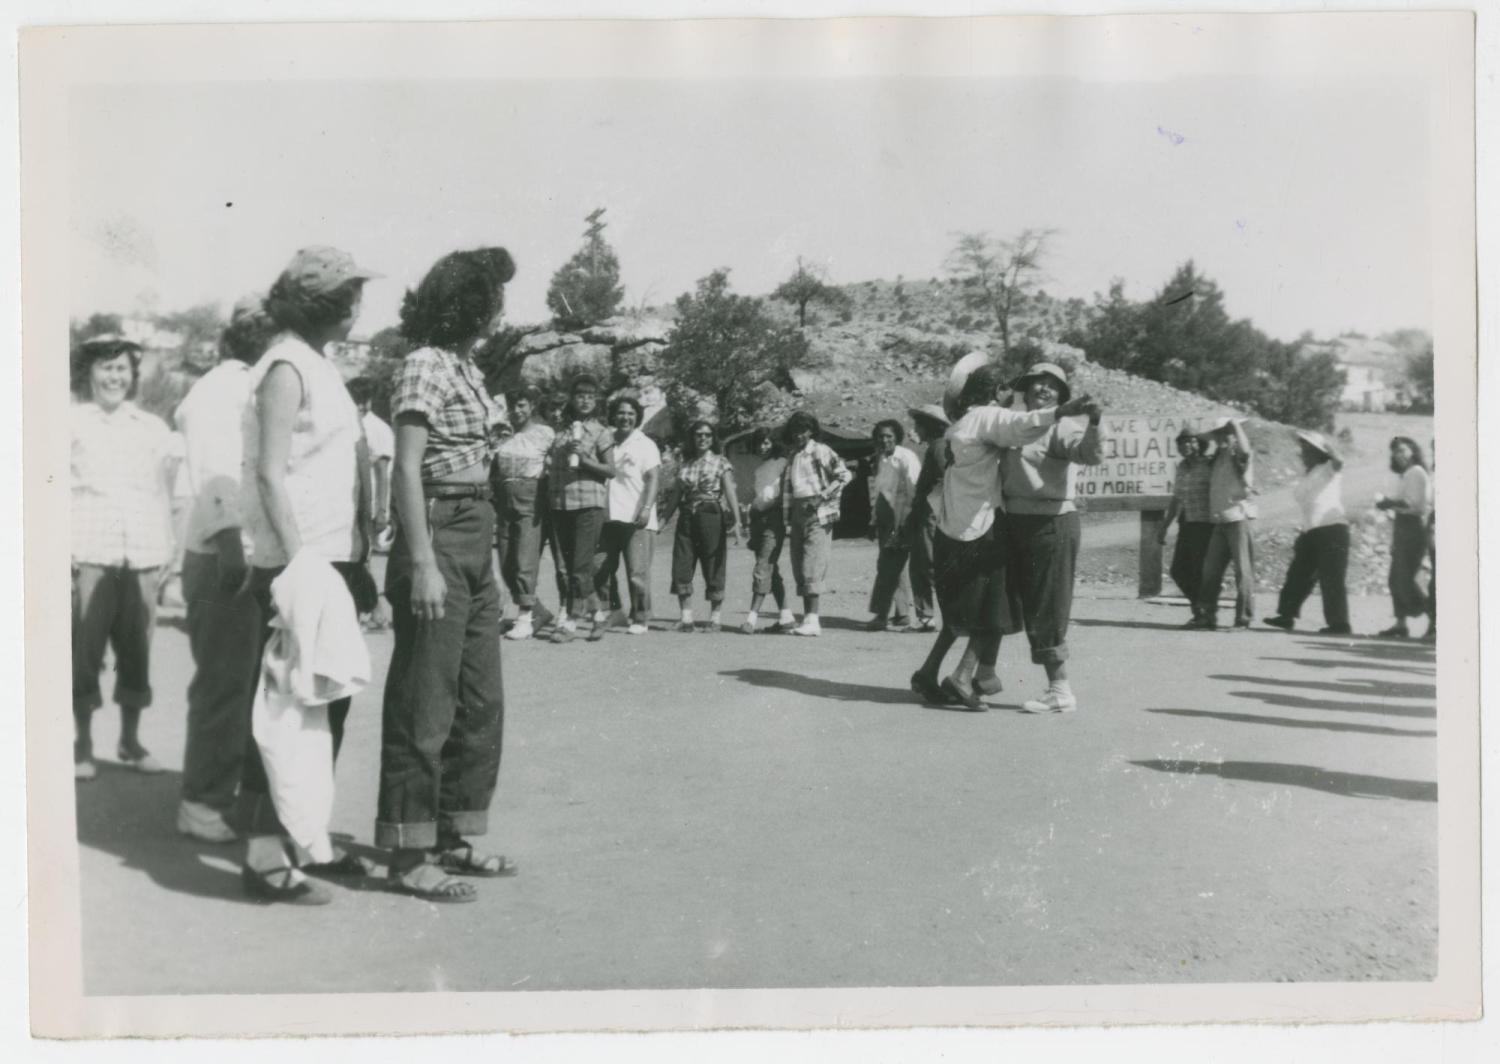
<point>1042,529</point>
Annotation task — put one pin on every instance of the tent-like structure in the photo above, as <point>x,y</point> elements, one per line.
<point>856,450</point>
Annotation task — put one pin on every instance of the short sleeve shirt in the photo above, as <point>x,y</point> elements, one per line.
<point>524,455</point>
<point>573,487</point>
<point>701,479</point>
<point>379,437</point>
<point>1191,489</point>
<point>448,393</point>
<point>121,501</point>
<point>633,458</point>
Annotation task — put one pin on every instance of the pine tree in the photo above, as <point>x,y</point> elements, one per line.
<point>586,289</point>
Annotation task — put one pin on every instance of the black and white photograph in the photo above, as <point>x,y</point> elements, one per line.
<point>746,513</point>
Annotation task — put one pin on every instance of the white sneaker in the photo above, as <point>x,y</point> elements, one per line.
<point>1050,702</point>
<point>522,629</point>
<point>637,629</point>
<point>203,822</point>
<point>809,626</point>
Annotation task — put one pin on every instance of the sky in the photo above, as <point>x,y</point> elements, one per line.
<point>1306,199</point>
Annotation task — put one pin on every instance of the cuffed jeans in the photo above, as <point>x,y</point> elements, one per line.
<point>1229,542</point>
<point>700,541</point>
<point>812,543</point>
<point>1408,548</point>
<point>1187,559</point>
<point>891,586</point>
<point>518,537</point>
<point>767,536</point>
<point>922,590</point>
<point>577,533</point>
<point>224,635</point>
<point>1321,556</point>
<point>113,607</point>
<point>635,544</point>
<point>255,810</point>
<point>1042,555</point>
<point>444,710</point>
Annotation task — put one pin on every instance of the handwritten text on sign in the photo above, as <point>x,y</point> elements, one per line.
<point>1140,455</point>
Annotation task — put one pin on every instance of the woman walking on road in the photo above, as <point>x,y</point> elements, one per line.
<point>1410,506</point>
<point>1321,552</point>
<point>1042,528</point>
<point>444,711</point>
<point>520,507</point>
<point>1189,508</point>
<point>305,480</point>
<point>891,491</point>
<point>707,514</point>
<point>767,535</point>
<point>121,473</point>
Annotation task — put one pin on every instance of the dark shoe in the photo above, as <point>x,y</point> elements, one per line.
<point>877,624</point>
<point>596,633</point>
<point>1336,629</point>
<point>1395,631</point>
<point>1239,626</point>
<point>1430,636</point>
<point>968,699</point>
<point>561,635</point>
<point>989,687</point>
<point>1201,625</point>
<point>345,866</point>
<point>275,885</point>
<point>926,688</point>
<point>1286,624</point>
<point>140,760</point>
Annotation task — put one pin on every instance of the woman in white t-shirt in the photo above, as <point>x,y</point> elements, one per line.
<point>767,535</point>
<point>1410,503</point>
<point>630,522</point>
<point>1321,552</point>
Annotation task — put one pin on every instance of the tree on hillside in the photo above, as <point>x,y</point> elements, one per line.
<point>1111,330</point>
<point>997,277</point>
<point>725,345</point>
<point>807,284</point>
<point>586,289</point>
<point>197,326</point>
<point>1419,379</point>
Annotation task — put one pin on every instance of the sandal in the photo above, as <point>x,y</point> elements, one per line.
<point>276,884</point>
<point>926,688</point>
<point>461,859</point>
<point>431,883</point>
<point>345,866</point>
<point>968,699</point>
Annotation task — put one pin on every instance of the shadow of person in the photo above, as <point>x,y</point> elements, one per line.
<point>1346,784</point>
<point>134,817</point>
<point>1376,649</point>
<point>1276,698</point>
<point>1410,669</point>
<point>1100,622</point>
<point>820,688</point>
<point>1297,722</point>
<point>1360,687</point>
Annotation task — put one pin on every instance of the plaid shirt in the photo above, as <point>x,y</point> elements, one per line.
<point>573,487</point>
<point>448,392</point>
<point>700,480</point>
<point>815,472</point>
<point>121,503</point>
<point>524,455</point>
<point>1191,488</point>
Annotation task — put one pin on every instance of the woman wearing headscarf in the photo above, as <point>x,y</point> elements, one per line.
<point>630,526</point>
<point>578,472</point>
<point>1042,528</point>
<point>444,711</point>
<point>121,475</point>
<point>1189,509</point>
<point>767,535</point>
<point>891,489</point>
<point>520,506</point>
<point>707,514</point>
<point>930,423</point>
<point>1410,504</point>
<point>303,494</point>
<point>1320,554</point>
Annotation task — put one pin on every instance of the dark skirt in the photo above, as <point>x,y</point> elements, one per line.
<point>973,591</point>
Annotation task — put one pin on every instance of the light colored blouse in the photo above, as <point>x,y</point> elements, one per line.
<point>1415,489</point>
<point>1320,494</point>
<point>322,481</point>
<point>122,504</point>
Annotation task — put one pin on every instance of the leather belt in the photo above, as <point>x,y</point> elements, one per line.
<point>482,492</point>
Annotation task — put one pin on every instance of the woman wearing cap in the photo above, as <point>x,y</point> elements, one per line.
<point>812,487</point>
<point>520,505</point>
<point>578,470</point>
<point>767,535</point>
<point>1230,511</point>
<point>630,526</point>
<point>1321,552</point>
<point>930,423</point>
<point>444,710</point>
<point>968,568</point>
<point>707,514</point>
<point>121,473</point>
<point>1189,509</point>
<point>305,479</point>
<point>1042,528</point>
<point>1409,505</point>
<point>891,489</point>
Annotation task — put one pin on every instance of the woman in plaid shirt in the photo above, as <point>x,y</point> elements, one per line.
<point>706,516</point>
<point>811,488</point>
<point>444,708</point>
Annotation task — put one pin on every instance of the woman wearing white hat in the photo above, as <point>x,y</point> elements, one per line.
<point>1321,552</point>
<point>1042,527</point>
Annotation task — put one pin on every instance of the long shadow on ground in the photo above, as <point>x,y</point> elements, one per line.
<point>818,688</point>
<point>1340,663</point>
<point>1273,698</point>
<point>1376,649</point>
<point>1293,722</point>
<point>1355,688</point>
<point>1347,784</point>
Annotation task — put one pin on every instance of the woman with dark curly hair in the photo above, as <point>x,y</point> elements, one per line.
<point>892,488</point>
<point>444,707</point>
<point>578,472</point>
<point>630,521</point>
<point>1410,505</point>
<point>302,485</point>
<point>706,515</point>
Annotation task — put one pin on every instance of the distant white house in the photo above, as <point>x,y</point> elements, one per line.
<point>1372,371</point>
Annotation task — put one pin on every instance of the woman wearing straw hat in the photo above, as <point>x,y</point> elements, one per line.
<point>1042,527</point>
<point>1321,552</point>
<point>930,423</point>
